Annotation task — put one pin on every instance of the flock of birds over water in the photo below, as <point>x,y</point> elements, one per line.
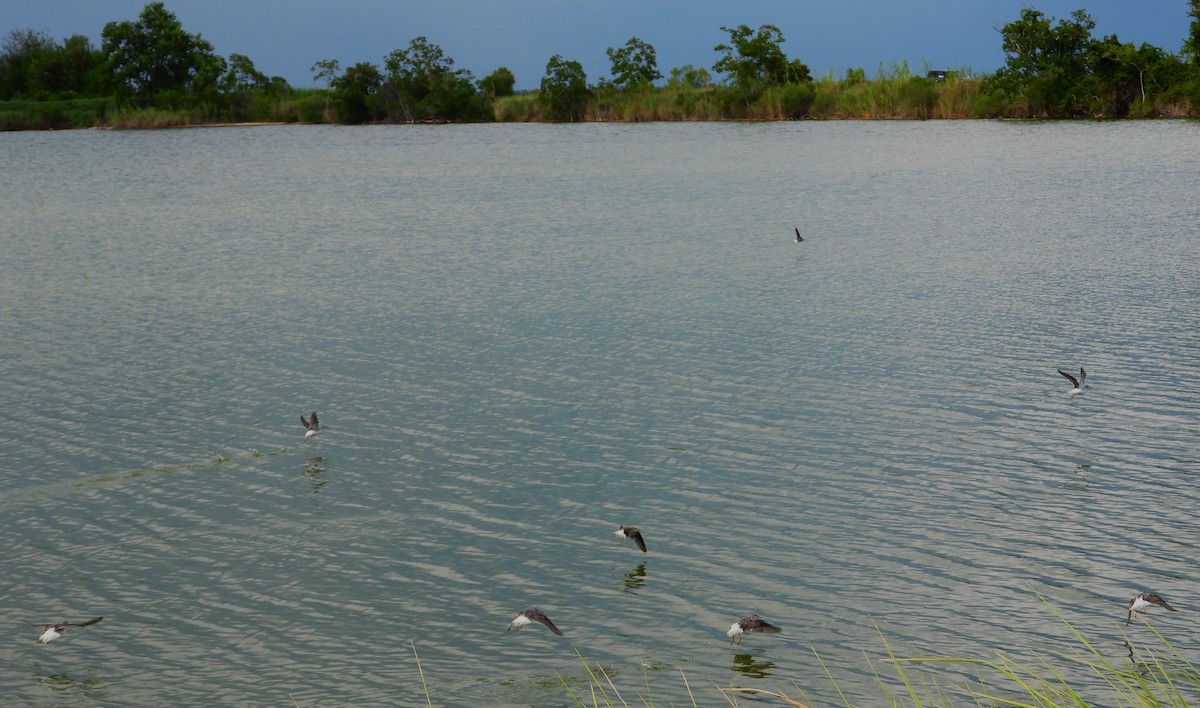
<point>749,624</point>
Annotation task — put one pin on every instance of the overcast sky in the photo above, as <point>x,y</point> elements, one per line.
<point>285,37</point>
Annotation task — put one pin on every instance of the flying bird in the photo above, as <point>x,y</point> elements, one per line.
<point>312,427</point>
<point>753,623</point>
<point>624,532</point>
<point>50,632</point>
<point>1143,600</point>
<point>1078,383</point>
<point>533,614</point>
<point>799,238</point>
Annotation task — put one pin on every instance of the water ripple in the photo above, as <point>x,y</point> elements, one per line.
<point>863,439</point>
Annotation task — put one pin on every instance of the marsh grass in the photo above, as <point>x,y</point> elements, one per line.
<point>894,94</point>
<point>1152,676</point>
<point>54,115</point>
<point>253,455</point>
<point>298,106</point>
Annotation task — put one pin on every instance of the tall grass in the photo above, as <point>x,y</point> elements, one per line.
<point>54,115</point>
<point>893,95</point>
<point>1152,676</point>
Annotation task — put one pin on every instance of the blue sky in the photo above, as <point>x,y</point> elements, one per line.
<point>285,37</point>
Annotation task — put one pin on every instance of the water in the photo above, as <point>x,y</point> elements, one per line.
<point>521,336</point>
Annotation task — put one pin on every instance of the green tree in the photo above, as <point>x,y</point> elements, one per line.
<point>422,84</point>
<point>22,50</point>
<point>356,92</point>
<point>1191,45</point>
<point>797,73</point>
<point>755,57</point>
<point>154,56</point>
<point>1124,74</point>
<point>326,70</point>
<point>688,76</point>
<point>565,90</point>
<point>635,65</point>
<point>34,66</point>
<point>498,83</point>
<point>242,84</point>
<point>241,76</point>
<point>79,68</point>
<point>1045,64</point>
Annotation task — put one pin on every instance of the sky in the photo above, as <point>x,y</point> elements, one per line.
<point>286,37</point>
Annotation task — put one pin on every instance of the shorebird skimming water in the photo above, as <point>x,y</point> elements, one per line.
<point>1143,600</point>
<point>50,632</point>
<point>1078,383</point>
<point>533,614</point>
<point>624,532</point>
<point>753,623</point>
<point>311,426</point>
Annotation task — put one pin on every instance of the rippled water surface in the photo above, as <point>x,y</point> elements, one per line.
<point>521,336</point>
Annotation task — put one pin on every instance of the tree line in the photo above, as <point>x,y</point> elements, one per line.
<point>1053,68</point>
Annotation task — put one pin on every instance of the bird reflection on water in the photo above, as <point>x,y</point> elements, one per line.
<point>634,579</point>
<point>746,665</point>
<point>313,467</point>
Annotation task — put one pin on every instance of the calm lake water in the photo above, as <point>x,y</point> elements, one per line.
<point>521,336</point>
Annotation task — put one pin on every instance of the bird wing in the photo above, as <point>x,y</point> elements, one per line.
<point>541,617</point>
<point>1158,600</point>
<point>315,424</point>
<point>1070,377</point>
<point>1082,377</point>
<point>89,623</point>
<point>758,624</point>
<point>637,538</point>
<point>304,421</point>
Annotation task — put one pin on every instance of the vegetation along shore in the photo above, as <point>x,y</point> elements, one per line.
<point>151,73</point>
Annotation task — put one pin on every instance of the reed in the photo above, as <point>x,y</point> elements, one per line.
<point>518,108</point>
<point>895,94</point>
<point>1152,676</point>
<point>54,115</point>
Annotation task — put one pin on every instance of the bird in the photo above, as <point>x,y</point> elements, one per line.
<point>1143,600</point>
<point>50,632</point>
<point>753,623</point>
<point>1078,383</point>
<point>799,238</point>
<point>624,532</point>
<point>533,614</point>
<point>312,427</point>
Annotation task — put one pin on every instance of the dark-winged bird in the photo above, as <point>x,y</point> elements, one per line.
<point>310,425</point>
<point>624,532</point>
<point>1142,600</point>
<point>50,632</point>
<point>533,614</point>
<point>799,238</point>
<point>1078,383</point>
<point>753,623</point>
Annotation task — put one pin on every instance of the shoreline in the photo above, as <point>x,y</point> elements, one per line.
<point>257,124</point>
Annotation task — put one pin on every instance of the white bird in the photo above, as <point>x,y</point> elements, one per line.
<point>624,532</point>
<point>50,632</point>
<point>533,614</point>
<point>753,623</point>
<point>312,427</point>
<point>1142,600</point>
<point>1078,383</point>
